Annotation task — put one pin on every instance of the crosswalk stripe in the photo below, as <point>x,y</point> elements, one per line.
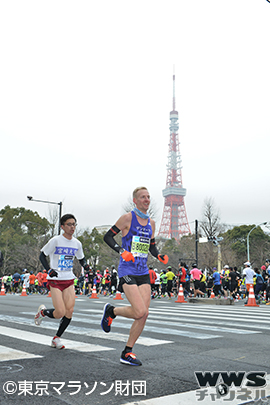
<point>246,311</point>
<point>182,325</point>
<point>179,322</point>
<point>204,327</point>
<point>126,323</point>
<point>46,340</point>
<point>215,326</point>
<point>240,317</point>
<point>6,353</point>
<point>225,324</point>
<point>119,337</point>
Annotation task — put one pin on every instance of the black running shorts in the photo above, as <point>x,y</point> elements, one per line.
<point>133,280</point>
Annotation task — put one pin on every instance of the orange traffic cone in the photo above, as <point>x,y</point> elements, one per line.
<point>118,296</point>
<point>94,293</point>
<point>251,298</point>
<point>212,294</point>
<point>180,297</point>
<point>264,295</point>
<point>3,292</point>
<point>49,295</point>
<point>23,294</point>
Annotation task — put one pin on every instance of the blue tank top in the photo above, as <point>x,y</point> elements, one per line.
<point>136,241</point>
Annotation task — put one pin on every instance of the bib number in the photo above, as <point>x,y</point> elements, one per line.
<point>140,246</point>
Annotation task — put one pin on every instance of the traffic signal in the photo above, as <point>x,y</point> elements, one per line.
<point>215,240</point>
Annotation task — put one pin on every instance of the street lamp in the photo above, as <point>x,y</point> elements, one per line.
<point>30,198</point>
<point>256,226</point>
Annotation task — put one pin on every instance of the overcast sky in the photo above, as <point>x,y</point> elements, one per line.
<point>85,95</point>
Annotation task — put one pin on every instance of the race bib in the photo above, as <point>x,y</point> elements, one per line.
<point>140,246</point>
<point>65,263</point>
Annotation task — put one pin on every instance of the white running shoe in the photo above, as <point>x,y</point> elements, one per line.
<point>56,342</point>
<point>39,317</point>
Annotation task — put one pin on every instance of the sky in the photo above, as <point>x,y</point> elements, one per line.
<point>85,95</point>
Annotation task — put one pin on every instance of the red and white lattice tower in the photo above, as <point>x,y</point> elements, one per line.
<point>174,223</point>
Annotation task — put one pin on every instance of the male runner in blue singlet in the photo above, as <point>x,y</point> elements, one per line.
<point>138,237</point>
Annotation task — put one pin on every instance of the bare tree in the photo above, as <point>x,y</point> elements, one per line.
<point>210,224</point>
<point>53,219</point>
<point>210,227</point>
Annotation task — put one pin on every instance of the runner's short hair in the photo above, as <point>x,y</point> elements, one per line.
<point>66,217</point>
<point>138,189</point>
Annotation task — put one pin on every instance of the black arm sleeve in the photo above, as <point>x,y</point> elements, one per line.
<point>44,261</point>
<point>109,238</point>
<point>153,248</point>
<point>83,263</point>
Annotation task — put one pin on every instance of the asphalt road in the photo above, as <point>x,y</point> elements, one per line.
<point>178,340</point>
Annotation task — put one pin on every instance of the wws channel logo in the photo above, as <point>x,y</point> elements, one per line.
<point>223,380</point>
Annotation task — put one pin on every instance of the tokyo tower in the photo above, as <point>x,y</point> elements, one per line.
<point>174,223</point>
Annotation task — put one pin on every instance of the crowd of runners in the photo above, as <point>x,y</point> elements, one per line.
<point>228,283</point>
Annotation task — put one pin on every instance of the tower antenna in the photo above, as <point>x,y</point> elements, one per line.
<point>174,223</point>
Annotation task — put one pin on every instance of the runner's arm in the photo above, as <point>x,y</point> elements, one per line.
<point>44,261</point>
<point>84,264</point>
<point>45,264</point>
<point>109,239</point>
<point>154,252</point>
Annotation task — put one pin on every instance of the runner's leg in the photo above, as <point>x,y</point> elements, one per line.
<point>139,298</point>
